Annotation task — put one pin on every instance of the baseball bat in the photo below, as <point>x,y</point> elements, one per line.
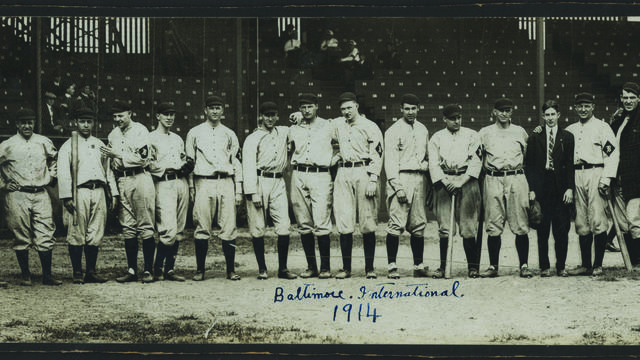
<point>448,268</point>
<point>74,174</point>
<point>623,245</point>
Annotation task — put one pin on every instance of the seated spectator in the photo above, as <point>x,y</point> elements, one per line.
<point>54,85</point>
<point>67,102</point>
<point>52,117</point>
<point>86,99</point>
<point>389,57</point>
<point>292,50</point>
<point>330,47</point>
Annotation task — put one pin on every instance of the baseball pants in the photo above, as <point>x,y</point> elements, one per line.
<point>506,197</point>
<point>172,203</point>
<point>311,201</point>
<point>350,201</point>
<point>29,217</point>
<point>137,205</point>
<point>591,216</point>
<point>274,204</point>
<point>468,201</point>
<point>410,215</point>
<point>92,218</point>
<point>215,196</point>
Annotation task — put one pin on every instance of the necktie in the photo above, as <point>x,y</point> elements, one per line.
<point>551,142</point>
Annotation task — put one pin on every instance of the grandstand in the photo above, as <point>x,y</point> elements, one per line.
<point>471,61</point>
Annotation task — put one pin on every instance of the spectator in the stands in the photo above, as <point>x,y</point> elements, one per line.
<point>86,98</point>
<point>292,50</point>
<point>352,65</point>
<point>330,47</point>
<point>52,118</point>
<point>55,85</point>
<point>389,57</point>
<point>67,101</point>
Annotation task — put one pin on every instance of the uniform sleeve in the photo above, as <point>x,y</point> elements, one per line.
<point>424,164</point>
<point>525,138</point>
<point>376,151</point>
<point>52,155</point>
<point>237,164</point>
<point>141,153</point>
<point>610,153</point>
<point>155,168</point>
<point>65,182</point>
<point>190,151</point>
<point>434,159</point>
<point>111,179</point>
<point>249,169</point>
<point>392,159</point>
<point>474,164</point>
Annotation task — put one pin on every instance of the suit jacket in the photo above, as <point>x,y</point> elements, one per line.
<point>536,160</point>
<point>629,166</point>
<point>58,119</point>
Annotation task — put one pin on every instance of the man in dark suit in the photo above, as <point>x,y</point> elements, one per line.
<point>550,174</point>
<point>52,117</point>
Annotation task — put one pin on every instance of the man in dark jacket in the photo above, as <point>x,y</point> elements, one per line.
<point>626,126</point>
<point>549,171</point>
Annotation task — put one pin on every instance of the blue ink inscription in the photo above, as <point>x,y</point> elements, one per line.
<point>306,293</point>
<point>410,290</point>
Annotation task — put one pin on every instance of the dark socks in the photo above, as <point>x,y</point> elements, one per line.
<point>309,247</point>
<point>369,245</point>
<point>91,257</point>
<point>23,261</point>
<point>258,249</point>
<point>417,248</point>
<point>585,250</point>
<point>148,251</point>
<point>444,243</point>
<point>131,249</point>
<point>469,245</point>
<point>522,246</point>
<point>75,255</point>
<point>493,244</point>
<point>600,241</point>
<point>172,253</point>
<point>201,246</point>
<point>324,246</point>
<point>45,260</point>
<point>229,250</point>
<point>346,247</point>
<point>393,242</point>
<point>161,255</point>
<point>283,251</point>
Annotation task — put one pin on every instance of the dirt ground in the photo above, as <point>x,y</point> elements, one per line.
<point>505,310</point>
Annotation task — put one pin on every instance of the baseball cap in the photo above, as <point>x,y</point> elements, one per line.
<point>166,107</point>
<point>409,99</point>
<point>25,114</point>
<point>451,110</point>
<point>307,98</point>
<point>85,113</point>
<point>503,103</point>
<point>348,96</point>
<point>49,95</point>
<point>268,107</point>
<point>631,87</point>
<point>214,100</point>
<point>120,106</point>
<point>584,97</point>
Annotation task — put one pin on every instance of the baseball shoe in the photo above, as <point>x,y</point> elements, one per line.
<point>172,276</point>
<point>4,284</point>
<point>233,276</point>
<point>343,274</point>
<point>611,247</point>
<point>158,275</point>
<point>491,272</point>
<point>325,274</point>
<point>286,274</point>
<point>92,278</point>
<point>309,273</point>
<point>262,274</point>
<point>50,281</point>
<point>545,273</point>
<point>473,273</point>
<point>25,280</point>
<point>420,272</point>
<point>597,271</point>
<point>199,276</point>
<point>438,274</point>
<point>130,276</point>
<point>147,277</point>
<point>563,273</point>
<point>78,278</point>
<point>579,271</point>
<point>371,275</point>
<point>525,272</point>
<point>393,271</point>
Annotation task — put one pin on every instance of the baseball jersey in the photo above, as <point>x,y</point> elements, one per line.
<point>263,150</point>
<point>595,143</point>
<point>360,140</point>
<point>405,148</point>
<point>169,152</point>
<point>28,162</point>
<point>132,144</point>
<point>504,148</point>
<point>91,166</point>
<point>454,151</point>
<point>215,151</point>
<point>311,143</point>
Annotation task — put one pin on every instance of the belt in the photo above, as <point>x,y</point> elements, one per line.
<point>94,184</point>
<point>269,174</point>
<point>129,172</point>
<point>309,168</point>
<point>169,176</point>
<point>412,171</point>
<point>505,173</point>
<point>353,164</point>
<point>31,189</point>
<point>455,172</point>
<point>213,177</point>
<point>587,166</point>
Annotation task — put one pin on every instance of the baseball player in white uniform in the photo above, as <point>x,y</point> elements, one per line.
<point>215,185</point>
<point>406,165</point>
<point>455,156</point>
<point>27,165</point>
<point>94,175</point>
<point>264,160</point>
<point>130,154</point>
<point>356,185</point>
<point>169,170</point>
<point>311,185</point>
<point>506,191</point>
<point>596,158</point>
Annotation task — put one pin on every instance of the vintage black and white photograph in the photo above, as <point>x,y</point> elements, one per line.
<point>319,180</point>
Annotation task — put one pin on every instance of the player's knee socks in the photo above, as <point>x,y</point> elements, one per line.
<point>148,252</point>
<point>201,246</point>
<point>45,261</point>
<point>600,243</point>
<point>324,246</point>
<point>585,249</point>
<point>161,255</point>
<point>611,234</point>
<point>346,247</point>
<point>393,242</point>
<point>309,247</point>
<point>75,255</point>
<point>258,249</point>
<point>23,261</point>
<point>170,259</point>
<point>493,244</point>
<point>229,250</point>
<point>131,249</point>
<point>632,248</point>
<point>91,257</point>
<point>417,248</point>
<point>283,251</point>
<point>444,243</point>
<point>522,247</point>
<point>469,245</point>
<point>369,245</point>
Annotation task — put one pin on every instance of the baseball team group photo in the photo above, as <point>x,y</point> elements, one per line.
<point>319,180</point>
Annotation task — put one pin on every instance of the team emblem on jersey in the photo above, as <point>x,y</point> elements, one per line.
<point>608,148</point>
<point>379,149</point>
<point>144,152</point>
<point>479,151</point>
